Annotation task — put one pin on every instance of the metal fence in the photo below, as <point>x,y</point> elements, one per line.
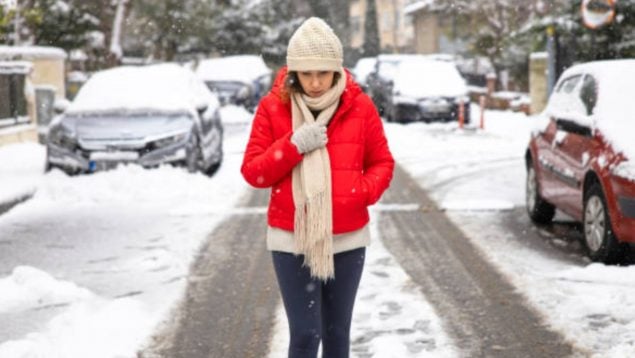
<point>13,103</point>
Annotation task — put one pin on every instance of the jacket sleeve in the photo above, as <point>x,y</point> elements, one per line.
<point>267,159</point>
<point>378,161</point>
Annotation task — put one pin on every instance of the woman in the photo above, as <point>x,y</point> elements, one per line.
<point>318,143</point>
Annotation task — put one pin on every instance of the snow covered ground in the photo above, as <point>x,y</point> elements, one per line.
<point>114,250</point>
<point>125,291</point>
<point>474,174</point>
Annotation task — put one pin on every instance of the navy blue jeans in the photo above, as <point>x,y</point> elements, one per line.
<point>317,310</point>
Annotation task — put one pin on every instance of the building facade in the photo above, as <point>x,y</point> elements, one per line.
<point>394,27</point>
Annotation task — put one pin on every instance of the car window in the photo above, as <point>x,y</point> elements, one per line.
<point>567,85</point>
<point>589,93</point>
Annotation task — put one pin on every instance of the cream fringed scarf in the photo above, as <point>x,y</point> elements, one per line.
<point>313,226</point>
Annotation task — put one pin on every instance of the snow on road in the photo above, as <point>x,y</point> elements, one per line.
<point>150,223</point>
<point>92,263</point>
<point>475,174</point>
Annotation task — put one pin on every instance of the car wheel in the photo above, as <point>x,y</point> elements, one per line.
<point>599,239</point>
<point>539,210</point>
<point>214,167</point>
<point>193,156</point>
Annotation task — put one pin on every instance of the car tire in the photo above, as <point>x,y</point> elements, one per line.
<point>599,239</point>
<point>192,161</point>
<point>214,167</point>
<point>540,211</point>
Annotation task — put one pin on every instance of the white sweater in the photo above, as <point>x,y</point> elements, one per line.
<point>282,240</point>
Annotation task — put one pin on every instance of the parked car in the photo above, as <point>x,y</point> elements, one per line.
<point>583,162</point>
<point>149,115</point>
<point>427,90</point>
<point>362,69</point>
<point>241,80</point>
<point>380,81</point>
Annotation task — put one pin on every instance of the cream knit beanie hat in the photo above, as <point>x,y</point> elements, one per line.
<point>314,47</point>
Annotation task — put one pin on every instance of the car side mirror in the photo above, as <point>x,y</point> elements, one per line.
<point>201,108</point>
<point>61,105</point>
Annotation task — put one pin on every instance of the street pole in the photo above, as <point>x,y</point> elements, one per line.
<point>16,40</point>
<point>551,59</point>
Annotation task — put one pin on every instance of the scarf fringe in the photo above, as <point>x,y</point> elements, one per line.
<point>313,230</point>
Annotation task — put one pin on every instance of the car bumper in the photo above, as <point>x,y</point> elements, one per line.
<point>624,222</point>
<point>85,161</point>
<point>418,112</point>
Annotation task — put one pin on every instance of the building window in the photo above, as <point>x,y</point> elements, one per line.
<point>356,25</point>
<point>12,99</point>
<point>387,21</point>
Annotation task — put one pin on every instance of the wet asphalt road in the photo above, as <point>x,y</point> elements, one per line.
<point>230,302</point>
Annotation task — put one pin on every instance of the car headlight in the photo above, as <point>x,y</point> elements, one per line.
<point>167,141</point>
<point>243,92</point>
<point>62,137</point>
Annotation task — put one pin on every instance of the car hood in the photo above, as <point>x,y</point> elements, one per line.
<point>119,128</point>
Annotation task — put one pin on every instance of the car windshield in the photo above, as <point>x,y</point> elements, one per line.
<point>222,86</point>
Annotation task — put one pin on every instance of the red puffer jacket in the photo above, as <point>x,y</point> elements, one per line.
<point>361,163</point>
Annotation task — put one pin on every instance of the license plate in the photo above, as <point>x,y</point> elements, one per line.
<point>114,156</point>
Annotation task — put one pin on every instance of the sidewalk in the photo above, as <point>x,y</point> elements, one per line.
<point>21,170</point>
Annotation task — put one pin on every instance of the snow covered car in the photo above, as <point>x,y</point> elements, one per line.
<point>427,90</point>
<point>362,69</point>
<point>380,81</point>
<point>149,115</point>
<point>583,162</point>
<point>241,80</point>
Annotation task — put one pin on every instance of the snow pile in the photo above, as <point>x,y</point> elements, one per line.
<point>21,169</point>
<point>93,328</point>
<point>28,287</point>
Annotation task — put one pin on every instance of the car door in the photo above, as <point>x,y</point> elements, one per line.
<point>552,183</point>
<point>572,151</point>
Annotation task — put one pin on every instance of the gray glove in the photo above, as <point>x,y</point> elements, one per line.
<point>309,137</point>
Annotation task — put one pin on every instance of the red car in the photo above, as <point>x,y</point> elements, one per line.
<point>583,162</point>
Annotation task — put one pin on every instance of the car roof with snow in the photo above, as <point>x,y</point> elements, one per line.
<point>421,77</point>
<point>163,87</point>
<point>242,68</point>
<point>613,114</point>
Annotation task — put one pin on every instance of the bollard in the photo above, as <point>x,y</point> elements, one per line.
<point>461,114</point>
<point>481,101</point>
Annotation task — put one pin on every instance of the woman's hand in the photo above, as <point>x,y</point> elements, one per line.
<point>309,137</point>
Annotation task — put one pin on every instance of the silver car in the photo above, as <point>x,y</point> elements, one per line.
<point>154,115</point>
